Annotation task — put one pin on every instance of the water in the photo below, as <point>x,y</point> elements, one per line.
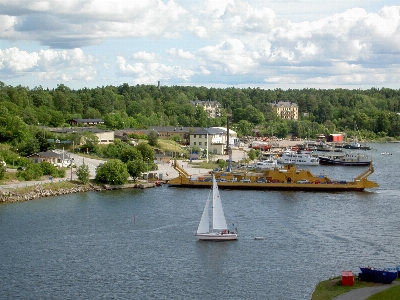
<point>140,244</point>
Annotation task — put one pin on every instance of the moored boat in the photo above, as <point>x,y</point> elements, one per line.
<point>298,158</point>
<point>346,160</point>
<point>354,145</point>
<point>267,164</point>
<point>285,178</point>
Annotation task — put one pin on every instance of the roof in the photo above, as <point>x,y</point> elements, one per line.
<point>50,154</point>
<point>202,102</point>
<point>213,131</point>
<point>79,129</point>
<point>88,120</point>
<point>173,128</point>
<point>283,103</point>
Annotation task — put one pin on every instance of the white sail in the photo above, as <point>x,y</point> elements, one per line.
<point>219,222</point>
<point>204,225</point>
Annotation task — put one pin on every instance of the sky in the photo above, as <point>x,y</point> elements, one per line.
<point>287,44</point>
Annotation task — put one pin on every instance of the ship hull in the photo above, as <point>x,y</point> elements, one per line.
<point>312,187</point>
<point>339,162</point>
<point>287,178</point>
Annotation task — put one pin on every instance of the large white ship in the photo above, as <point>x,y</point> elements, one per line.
<point>290,157</point>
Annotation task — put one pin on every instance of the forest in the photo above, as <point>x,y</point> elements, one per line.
<point>374,112</point>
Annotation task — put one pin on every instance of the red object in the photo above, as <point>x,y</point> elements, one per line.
<point>347,278</point>
<point>335,137</point>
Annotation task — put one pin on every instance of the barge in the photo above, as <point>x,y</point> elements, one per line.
<point>285,178</point>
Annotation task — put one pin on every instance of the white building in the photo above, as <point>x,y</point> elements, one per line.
<point>213,139</point>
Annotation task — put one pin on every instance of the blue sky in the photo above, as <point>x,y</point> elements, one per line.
<point>218,43</point>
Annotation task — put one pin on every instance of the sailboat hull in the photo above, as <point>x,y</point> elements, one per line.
<point>217,237</point>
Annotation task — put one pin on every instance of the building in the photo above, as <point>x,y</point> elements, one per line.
<point>213,108</point>
<point>286,110</point>
<point>85,122</point>
<point>104,136</point>
<point>214,139</point>
<point>335,137</point>
<point>167,132</point>
<point>54,158</point>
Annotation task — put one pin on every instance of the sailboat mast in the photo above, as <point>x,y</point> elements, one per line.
<point>213,203</point>
<point>355,126</point>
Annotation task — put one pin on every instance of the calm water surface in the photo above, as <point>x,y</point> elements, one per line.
<point>140,244</point>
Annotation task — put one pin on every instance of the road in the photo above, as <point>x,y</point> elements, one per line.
<point>167,170</point>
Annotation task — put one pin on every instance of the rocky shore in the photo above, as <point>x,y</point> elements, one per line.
<point>14,195</point>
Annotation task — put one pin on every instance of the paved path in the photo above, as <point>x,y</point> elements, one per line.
<point>364,293</point>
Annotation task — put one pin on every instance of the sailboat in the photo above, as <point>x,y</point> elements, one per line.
<point>219,230</point>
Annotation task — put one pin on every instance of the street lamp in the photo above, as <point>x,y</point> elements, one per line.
<point>72,161</point>
<point>147,170</point>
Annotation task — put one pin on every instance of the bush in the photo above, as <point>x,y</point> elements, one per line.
<point>83,173</point>
<point>33,172</point>
<point>113,172</point>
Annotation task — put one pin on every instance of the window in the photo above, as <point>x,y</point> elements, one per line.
<point>195,136</point>
<point>199,143</point>
<point>194,143</point>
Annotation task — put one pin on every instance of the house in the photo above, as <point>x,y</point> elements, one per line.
<point>213,108</point>
<point>286,110</point>
<point>213,139</point>
<point>57,159</point>
<point>168,132</point>
<point>161,158</point>
<point>104,136</point>
<point>85,122</point>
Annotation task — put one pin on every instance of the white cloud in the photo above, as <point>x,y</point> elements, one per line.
<point>144,56</point>
<point>48,64</point>
<point>229,56</point>
<point>235,41</point>
<point>149,73</point>
<point>18,61</point>
<point>180,53</point>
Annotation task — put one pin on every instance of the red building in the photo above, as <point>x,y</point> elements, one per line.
<point>335,138</point>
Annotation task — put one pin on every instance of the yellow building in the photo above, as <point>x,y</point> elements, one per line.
<point>212,108</point>
<point>286,110</point>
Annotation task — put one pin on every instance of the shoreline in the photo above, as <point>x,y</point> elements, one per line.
<point>13,195</point>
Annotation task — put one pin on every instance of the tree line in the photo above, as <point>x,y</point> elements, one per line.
<point>374,111</point>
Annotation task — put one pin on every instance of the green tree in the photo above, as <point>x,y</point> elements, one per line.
<point>201,117</point>
<point>112,172</point>
<point>252,154</point>
<point>153,138</point>
<point>244,128</point>
<point>83,173</point>
<point>136,168</point>
<point>146,150</point>
<point>91,141</point>
<point>129,154</point>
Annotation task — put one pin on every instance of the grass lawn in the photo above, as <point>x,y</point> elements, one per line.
<point>331,288</point>
<point>392,293</point>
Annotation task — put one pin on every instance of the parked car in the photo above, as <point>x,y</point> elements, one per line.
<point>224,180</point>
<point>245,180</point>
<point>303,181</point>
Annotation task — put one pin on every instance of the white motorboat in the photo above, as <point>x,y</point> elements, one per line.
<point>296,158</point>
<point>267,164</point>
